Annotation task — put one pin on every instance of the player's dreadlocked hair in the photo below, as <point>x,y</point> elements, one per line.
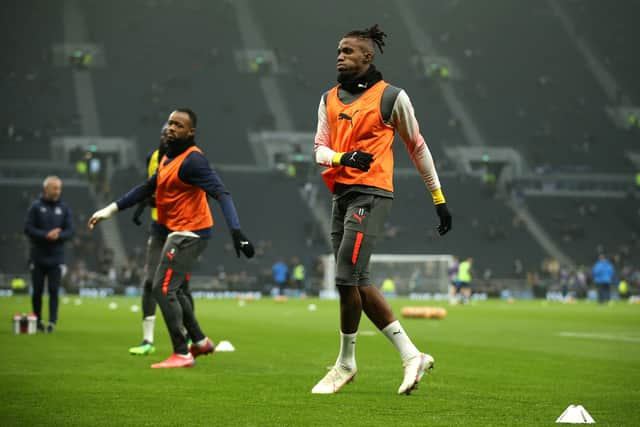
<point>375,34</point>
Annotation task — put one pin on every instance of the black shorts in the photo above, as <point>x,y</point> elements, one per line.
<point>357,221</point>
<point>154,249</point>
<point>177,258</point>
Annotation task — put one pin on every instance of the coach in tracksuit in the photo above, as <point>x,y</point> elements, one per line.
<point>49,225</point>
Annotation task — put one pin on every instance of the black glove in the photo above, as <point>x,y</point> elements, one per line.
<point>445,218</point>
<point>138,213</point>
<point>241,243</point>
<point>357,159</point>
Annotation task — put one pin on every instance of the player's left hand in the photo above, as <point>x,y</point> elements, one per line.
<point>357,159</point>
<point>242,244</point>
<point>445,218</point>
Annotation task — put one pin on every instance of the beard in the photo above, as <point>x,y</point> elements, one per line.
<point>177,146</point>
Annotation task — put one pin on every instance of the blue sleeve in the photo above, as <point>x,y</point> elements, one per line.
<point>148,158</point>
<point>137,194</point>
<point>30,228</point>
<point>195,170</point>
<point>67,226</point>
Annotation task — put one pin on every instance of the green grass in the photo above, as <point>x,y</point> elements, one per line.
<point>496,364</point>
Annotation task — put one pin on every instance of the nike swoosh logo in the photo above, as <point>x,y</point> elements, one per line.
<point>244,243</point>
<point>396,332</point>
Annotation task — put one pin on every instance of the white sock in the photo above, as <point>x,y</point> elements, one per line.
<point>347,356</point>
<point>147,328</point>
<point>202,342</point>
<point>400,340</point>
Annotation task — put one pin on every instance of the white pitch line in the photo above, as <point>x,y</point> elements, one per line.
<point>608,337</point>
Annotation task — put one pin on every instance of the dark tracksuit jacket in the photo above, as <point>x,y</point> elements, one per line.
<point>42,216</point>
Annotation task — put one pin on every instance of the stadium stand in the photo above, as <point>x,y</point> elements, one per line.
<point>611,28</point>
<point>517,72</point>
<point>587,226</point>
<point>527,85</point>
<point>39,99</point>
<point>14,248</point>
<point>150,70</point>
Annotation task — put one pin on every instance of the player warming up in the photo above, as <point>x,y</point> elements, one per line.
<point>357,120</point>
<point>181,185</point>
<point>155,242</point>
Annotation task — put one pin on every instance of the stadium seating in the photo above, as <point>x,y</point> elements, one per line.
<point>152,70</point>
<point>518,73</point>
<point>585,227</point>
<point>527,85</point>
<point>610,28</point>
<point>39,100</point>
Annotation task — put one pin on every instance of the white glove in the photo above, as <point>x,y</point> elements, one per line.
<point>102,214</point>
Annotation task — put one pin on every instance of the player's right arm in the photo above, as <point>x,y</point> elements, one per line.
<point>133,196</point>
<point>322,144</point>
<point>30,227</point>
<point>325,155</point>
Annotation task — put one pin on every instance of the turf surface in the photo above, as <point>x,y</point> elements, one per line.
<point>496,364</point>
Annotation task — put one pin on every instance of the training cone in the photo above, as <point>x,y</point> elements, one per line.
<point>225,346</point>
<point>575,414</point>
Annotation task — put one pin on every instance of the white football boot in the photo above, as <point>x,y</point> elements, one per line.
<point>334,380</point>
<point>414,370</point>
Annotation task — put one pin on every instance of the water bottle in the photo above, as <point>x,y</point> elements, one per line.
<point>32,323</point>
<point>16,323</point>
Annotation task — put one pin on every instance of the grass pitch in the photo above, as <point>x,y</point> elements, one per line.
<point>496,364</point>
